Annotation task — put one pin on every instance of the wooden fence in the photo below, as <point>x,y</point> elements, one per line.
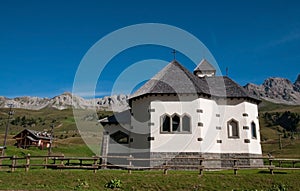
<point>95,163</point>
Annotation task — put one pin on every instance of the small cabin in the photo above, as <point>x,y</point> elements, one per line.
<point>28,138</point>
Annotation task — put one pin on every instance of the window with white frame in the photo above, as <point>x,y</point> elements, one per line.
<point>165,123</point>
<point>253,131</point>
<point>186,123</point>
<point>175,123</point>
<point>233,129</point>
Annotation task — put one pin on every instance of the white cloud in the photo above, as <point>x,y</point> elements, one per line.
<point>292,36</point>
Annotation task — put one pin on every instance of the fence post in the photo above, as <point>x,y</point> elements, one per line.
<point>129,164</point>
<point>271,163</point>
<point>95,164</point>
<point>294,162</point>
<point>166,167</point>
<point>46,162</point>
<point>200,167</point>
<point>13,163</point>
<point>235,168</point>
<point>62,161</point>
<point>27,163</point>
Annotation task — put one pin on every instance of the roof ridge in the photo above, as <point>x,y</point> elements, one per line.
<point>247,93</point>
<point>194,79</point>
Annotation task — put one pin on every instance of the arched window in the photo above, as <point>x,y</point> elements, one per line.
<point>233,129</point>
<point>165,123</point>
<point>253,130</point>
<point>175,123</point>
<point>186,123</point>
<point>120,137</point>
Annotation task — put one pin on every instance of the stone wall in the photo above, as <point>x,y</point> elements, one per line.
<point>190,158</point>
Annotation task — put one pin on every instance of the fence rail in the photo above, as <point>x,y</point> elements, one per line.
<point>95,163</point>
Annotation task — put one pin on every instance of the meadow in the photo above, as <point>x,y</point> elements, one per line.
<point>149,180</point>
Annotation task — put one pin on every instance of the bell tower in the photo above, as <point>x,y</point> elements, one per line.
<point>205,69</point>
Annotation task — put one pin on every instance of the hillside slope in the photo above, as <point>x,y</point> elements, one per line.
<point>274,136</point>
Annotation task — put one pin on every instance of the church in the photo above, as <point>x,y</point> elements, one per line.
<point>183,113</point>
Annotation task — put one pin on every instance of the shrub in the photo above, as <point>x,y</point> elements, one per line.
<point>81,184</point>
<point>114,183</point>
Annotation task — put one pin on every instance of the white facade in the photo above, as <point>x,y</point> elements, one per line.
<point>209,132</point>
<point>215,120</point>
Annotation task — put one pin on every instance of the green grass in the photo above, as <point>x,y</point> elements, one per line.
<point>63,120</point>
<point>269,134</point>
<point>146,180</point>
<point>266,106</point>
<point>71,147</point>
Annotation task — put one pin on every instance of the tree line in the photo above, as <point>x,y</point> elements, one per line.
<point>287,120</point>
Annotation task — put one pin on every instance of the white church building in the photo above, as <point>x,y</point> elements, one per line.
<point>180,113</point>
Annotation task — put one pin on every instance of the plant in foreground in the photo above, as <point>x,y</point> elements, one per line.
<point>81,184</point>
<point>114,183</point>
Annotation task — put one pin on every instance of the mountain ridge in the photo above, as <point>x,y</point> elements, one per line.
<point>273,89</point>
<point>277,90</point>
<point>66,100</point>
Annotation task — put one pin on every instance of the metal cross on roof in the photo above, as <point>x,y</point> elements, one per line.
<point>174,53</point>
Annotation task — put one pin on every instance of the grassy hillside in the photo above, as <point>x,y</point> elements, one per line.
<point>38,120</point>
<point>271,133</point>
<point>67,138</point>
<point>266,106</point>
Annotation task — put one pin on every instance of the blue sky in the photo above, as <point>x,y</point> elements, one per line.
<point>43,42</point>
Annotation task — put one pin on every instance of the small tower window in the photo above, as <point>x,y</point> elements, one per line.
<point>253,131</point>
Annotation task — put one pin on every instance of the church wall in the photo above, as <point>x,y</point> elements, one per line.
<point>209,132</point>
<point>203,135</point>
<point>174,142</point>
<point>141,123</point>
<point>244,113</point>
<point>115,147</point>
<point>212,131</point>
<point>255,146</point>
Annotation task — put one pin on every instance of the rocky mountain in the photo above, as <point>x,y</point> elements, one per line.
<point>297,84</point>
<point>277,90</point>
<point>67,100</point>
